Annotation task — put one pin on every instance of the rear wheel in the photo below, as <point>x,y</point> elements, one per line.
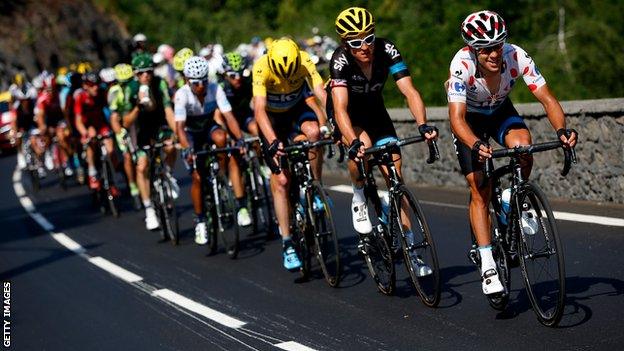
<point>325,239</point>
<point>419,252</point>
<point>170,214</point>
<point>541,254</point>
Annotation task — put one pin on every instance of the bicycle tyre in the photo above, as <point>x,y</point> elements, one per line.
<point>325,238</point>
<point>260,200</point>
<point>527,245</point>
<point>499,301</point>
<point>428,286</point>
<point>229,222</point>
<point>107,172</point>
<point>170,214</point>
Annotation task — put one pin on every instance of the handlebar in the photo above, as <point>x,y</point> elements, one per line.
<point>434,153</point>
<point>303,146</point>
<point>569,154</point>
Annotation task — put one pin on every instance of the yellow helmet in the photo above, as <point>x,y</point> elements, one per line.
<point>284,58</point>
<point>180,58</point>
<point>354,21</point>
<point>84,67</point>
<point>123,72</point>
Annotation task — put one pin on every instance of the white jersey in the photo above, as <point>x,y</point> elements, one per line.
<point>186,103</point>
<point>465,86</point>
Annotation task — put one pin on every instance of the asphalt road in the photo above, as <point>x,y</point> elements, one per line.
<point>61,300</point>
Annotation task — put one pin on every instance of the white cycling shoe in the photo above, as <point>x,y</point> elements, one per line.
<point>243,217</point>
<point>175,188</point>
<point>361,222</point>
<point>151,221</point>
<point>491,283</point>
<point>201,233</point>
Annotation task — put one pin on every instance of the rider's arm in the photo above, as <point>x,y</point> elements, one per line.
<point>232,124</point>
<point>179,108</point>
<point>314,106</point>
<point>414,101</point>
<point>459,126</point>
<point>340,97</point>
<point>262,118</point>
<point>316,82</point>
<point>78,116</point>
<point>169,116</point>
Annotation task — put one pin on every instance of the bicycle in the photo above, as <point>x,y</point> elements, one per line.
<point>33,161</point>
<point>107,192</point>
<point>312,225</point>
<point>161,191</point>
<point>529,208</point>
<point>219,202</point>
<point>258,190</point>
<point>419,252</point>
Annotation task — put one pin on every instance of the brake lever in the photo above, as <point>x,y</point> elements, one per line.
<point>434,153</point>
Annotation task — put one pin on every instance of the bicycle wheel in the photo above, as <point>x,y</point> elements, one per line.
<point>419,252</point>
<point>227,216</point>
<point>325,239</point>
<point>260,204</point>
<point>107,174</point>
<point>170,214</point>
<point>499,301</point>
<point>541,254</point>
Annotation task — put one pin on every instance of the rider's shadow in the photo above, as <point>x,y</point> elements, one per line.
<point>575,312</point>
<point>354,269</point>
<point>449,295</point>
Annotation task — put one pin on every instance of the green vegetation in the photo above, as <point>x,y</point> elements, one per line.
<point>426,32</point>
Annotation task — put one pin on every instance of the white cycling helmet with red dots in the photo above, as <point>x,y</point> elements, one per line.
<point>483,29</point>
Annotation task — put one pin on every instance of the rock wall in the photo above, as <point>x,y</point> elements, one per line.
<point>47,34</point>
<point>598,175</point>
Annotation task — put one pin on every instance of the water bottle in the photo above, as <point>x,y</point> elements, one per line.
<point>385,208</point>
<point>505,199</point>
<point>144,96</point>
<point>302,201</point>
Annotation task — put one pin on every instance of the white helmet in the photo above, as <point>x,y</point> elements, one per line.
<point>205,51</point>
<point>139,37</point>
<point>196,68</point>
<point>483,29</point>
<point>107,75</point>
<point>158,58</point>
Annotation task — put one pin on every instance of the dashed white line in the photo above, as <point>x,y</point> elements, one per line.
<point>292,346</point>
<point>115,270</point>
<point>564,216</point>
<point>43,222</point>
<point>198,308</point>
<point>66,241</point>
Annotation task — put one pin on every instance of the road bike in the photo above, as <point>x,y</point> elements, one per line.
<point>527,233</point>
<point>107,195</point>
<point>403,223</point>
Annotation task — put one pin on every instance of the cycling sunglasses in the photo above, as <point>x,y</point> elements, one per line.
<point>488,50</point>
<point>233,75</point>
<point>357,43</point>
<point>199,82</point>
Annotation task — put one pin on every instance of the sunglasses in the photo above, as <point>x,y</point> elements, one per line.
<point>140,73</point>
<point>233,75</point>
<point>198,82</point>
<point>490,49</point>
<point>357,43</point>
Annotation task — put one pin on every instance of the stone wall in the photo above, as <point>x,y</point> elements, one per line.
<point>598,175</point>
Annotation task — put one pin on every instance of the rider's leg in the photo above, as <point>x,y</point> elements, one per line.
<point>142,177</point>
<point>196,196</point>
<point>311,130</point>
<point>359,208</point>
<point>279,189</point>
<point>516,137</point>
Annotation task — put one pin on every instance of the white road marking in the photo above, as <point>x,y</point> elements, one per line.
<point>66,241</point>
<point>115,270</point>
<point>293,346</point>
<point>43,222</point>
<point>198,308</point>
<point>564,216</point>
<point>19,189</point>
<point>27,204</point>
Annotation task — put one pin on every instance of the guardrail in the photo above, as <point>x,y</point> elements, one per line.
<point>598,175</point>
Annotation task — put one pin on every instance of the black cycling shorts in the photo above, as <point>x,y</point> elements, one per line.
<point>485,127</point>
<point>287,125</point>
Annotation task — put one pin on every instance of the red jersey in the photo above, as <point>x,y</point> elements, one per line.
<point>90,109</point>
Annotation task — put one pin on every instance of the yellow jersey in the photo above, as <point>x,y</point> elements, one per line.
<point>283,94</point>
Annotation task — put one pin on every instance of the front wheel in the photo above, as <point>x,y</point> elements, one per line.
<point>419,251</point>
<point>325,238</point>
<point>227,214</point>
<point>541,254</point>
<point>170,223</point>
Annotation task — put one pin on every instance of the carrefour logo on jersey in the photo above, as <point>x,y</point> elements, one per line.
<point>459,87</point>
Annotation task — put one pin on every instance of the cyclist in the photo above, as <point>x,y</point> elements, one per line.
<point>51,119</point>
<point>280,90</point>
<point>148,108</point>
<point>482,74</point>
<point>90,122</point>
<point>116,104</point>
<point>359,69</point>
<point>195,106</point>
<point>23,96</point>
<point>178,65</point>
<point>236,83</point>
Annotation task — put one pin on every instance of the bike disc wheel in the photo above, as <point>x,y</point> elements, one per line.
<point>541,256</point>
<point>325,239</point>
<point>420,256</point>
<point>228,216</point>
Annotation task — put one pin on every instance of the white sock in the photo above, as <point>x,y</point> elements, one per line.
<point>358,194</point>
<point>147,204</point>
<point>487,261</point>
<point>92,171</point>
